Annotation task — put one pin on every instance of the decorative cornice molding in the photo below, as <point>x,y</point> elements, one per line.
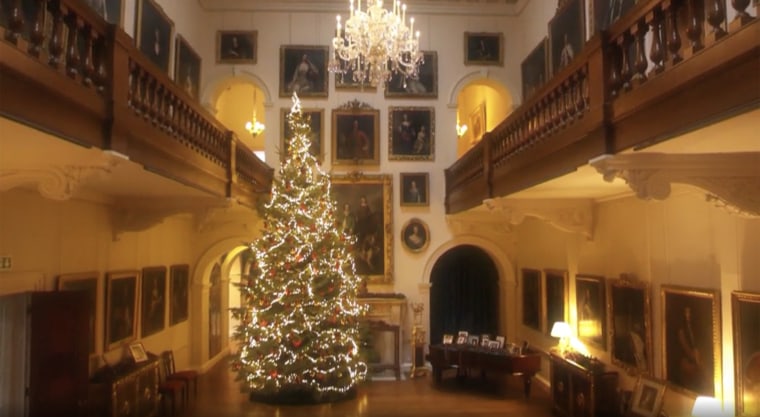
<point>420,7</point>
<point>731,180</point>
<point>569,215</point>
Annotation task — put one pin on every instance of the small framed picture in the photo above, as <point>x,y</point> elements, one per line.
<point>236,46</point>
<point>424,86</point>
<point>461,339</point>
<point>500,340</point>
<point>303,70</point>
<point>415,188</point>
<point>415,235</point>
<point>463,333</point>
<point>412,133</point>
<point>484,339</point>
<point>137,350</point>
<point>473,340</point>
<point>316,120</point>
<point>493,344</point>
<point>448,339</point>
<point>647,397</point>
<point>187,68</point>
<point>154,34</point>
<point>481,48</point>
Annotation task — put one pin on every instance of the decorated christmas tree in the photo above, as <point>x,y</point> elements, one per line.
<point>299,315</point>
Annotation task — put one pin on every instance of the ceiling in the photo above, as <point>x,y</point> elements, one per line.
<point>457,7</point>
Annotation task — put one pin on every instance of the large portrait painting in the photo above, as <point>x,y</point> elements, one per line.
<point>121,308</point>
<point>187,68</point>
<point>179,293</point>
<point>364,211</point>
<point>691,339</point>
<point>412,133</point>
<point>592,310</point>
<point>531,298</point>
<point>567,34</point>
<point>423,86</point>
<point>355,135</point>
<point>631,325</point>
<point>153,301</point>
<point>745,309</point>
<point>89,283</point>
<point>154,34</point>
<point>303,70</point>
<point>555,298</point>
<point>533,69</point>
<point>315,118</point>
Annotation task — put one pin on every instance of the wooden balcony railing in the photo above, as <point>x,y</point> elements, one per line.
<point>684,65</point>
<point>68,72</point>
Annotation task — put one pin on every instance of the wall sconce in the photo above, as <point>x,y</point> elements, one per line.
<point>706,407</point>
<point>461,129</point>
<point>254,127</point>
<point>562,330</point>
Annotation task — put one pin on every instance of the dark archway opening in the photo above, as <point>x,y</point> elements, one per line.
<point>464,293</point>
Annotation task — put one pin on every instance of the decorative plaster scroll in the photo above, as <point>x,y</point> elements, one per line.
<point>56,182</point>
<point>731,180</point>
<point>477,221</point>
<point>569,215</point>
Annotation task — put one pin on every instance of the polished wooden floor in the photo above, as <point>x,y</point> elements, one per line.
<point>219,396</point>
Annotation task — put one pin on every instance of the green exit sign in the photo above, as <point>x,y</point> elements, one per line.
<point>6,262</point>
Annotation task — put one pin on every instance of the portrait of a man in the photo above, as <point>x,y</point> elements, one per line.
<point>236,47</point>
<point>631,324</point>
<point>121,308</point>
<point>155,33</point>
<point>153,297</point>
<point>355,137</point>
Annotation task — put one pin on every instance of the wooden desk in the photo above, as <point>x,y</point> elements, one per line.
<point>472,357</point>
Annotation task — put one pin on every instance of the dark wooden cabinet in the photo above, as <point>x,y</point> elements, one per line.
<point>44,354</point>
<point>578,391</point>
<point>126,390</point>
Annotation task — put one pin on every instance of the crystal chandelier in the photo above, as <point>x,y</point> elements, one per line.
<point>254,127</point>
<point>376,43</point>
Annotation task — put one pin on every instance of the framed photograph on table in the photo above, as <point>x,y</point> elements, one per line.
<point>153,301</point>
<point>365,211</point>
<point>691,335</point>
<point>415,188</point>
<point>303,70</point>
<point>424,86</point>
<point>236,46</point>
<point>482,48</point>
<point>534,69</point>
<point>412,133</point>
<point>647,397</point>
<point>591,305</point>
<point>745,311</point>
<point>187,68</point>
<point>355,135</point>
<point>179,294</point>
<point>137,351</point>
<point>630,325</point>
<point>154,34</point>
<point>415,235</point>
<point>566,34</point>
<point>121,307</point>
<point>531,298</point>
<point>316,123</point>
<point>88,282</point>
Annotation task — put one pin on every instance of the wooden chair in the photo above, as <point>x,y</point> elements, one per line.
<point>186,376</point>
<point>172,390</point>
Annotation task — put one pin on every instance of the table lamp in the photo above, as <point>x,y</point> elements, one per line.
<point>706,407</point>
<point>562,330</point>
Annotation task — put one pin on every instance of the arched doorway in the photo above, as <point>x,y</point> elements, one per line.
<point>464,293</point>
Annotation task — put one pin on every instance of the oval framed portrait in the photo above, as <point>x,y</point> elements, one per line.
<point>415,235</point>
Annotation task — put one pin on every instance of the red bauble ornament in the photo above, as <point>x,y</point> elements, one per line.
<point>296,342</point>
<point>263,323</point>
<point>273,374</point>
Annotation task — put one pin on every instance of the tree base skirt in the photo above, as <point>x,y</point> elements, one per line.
<point>301,396</point>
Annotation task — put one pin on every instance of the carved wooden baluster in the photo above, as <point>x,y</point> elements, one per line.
<point>99,53</point>
<point>640,65</point>
<point>568,101</point>
<point>55,46</point>
<point>172,115</point>
<point>165,112</point>
<point>716,17</point>
<point>673,37</point>
<point>742,17</point>
<point>580,102</point>
<point>141,98</point>
<point>15,21</point>
<point>155,94</point>
<point>694,30</point>
<point>626,68</point>
<point>37,32</point>
<point>656,51</point>
<point>88,66</point>
<point>73,59</point>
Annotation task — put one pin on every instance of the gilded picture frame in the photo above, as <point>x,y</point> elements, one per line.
<point>411,132</point>
<point>531,298</point>
<point>364,210</point>
<point>355,135</point>
<point>316,123</point>
<point>152,300</point>
<point>424,86</point>
<point>88,282</point>
<point>415,235</point>
<point>591,305</point>
<point>179,293</point>
<point>121,307</point>
<point>303,70</point>
<point>692,353</point>
<point>555,292</point>
<point>745,312</point>
<point>154,34</point>
<point>414,189</point>
<point>647,397</point>
<point>484,48</point>
<point>187,68</point>
<point>630,321</point>
<point>236,46</point>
